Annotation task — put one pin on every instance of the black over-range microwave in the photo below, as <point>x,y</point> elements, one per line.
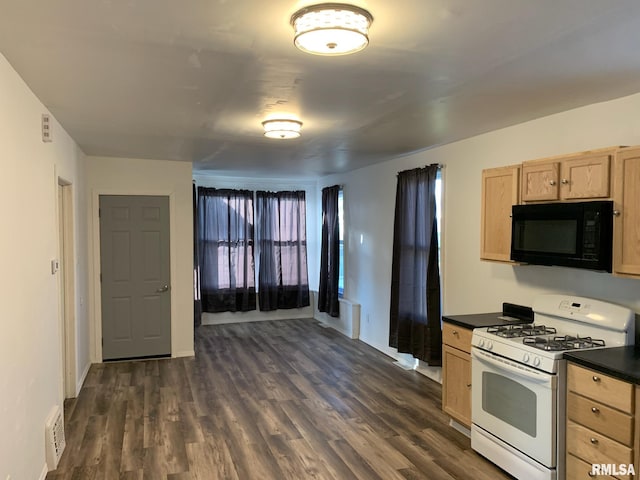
<point>578,235</point>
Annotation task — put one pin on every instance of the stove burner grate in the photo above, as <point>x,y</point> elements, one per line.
<point>523,330</point>
<point>567,342</point>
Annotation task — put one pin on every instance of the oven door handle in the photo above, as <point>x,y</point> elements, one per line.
<point>527,373</point>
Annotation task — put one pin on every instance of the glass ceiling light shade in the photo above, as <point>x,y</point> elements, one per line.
<point>331,29</point>
<point>282,128</point>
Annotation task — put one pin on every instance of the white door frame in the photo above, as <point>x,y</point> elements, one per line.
<point>66,286</point>
<point>95,326</point>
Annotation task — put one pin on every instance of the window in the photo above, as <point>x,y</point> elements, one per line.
<point>341,226</point>
<point>225,238</point>
<point>282,279</point>
<point>415,279</point>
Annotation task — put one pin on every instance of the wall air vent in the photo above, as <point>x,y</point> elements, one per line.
<point>46,128</point>
<point>54,437</point>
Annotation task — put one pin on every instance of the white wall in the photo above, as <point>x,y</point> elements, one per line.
<point>469,284</point>
<point>126,176</point>
<point>313,234</point>
<point>30,353</point>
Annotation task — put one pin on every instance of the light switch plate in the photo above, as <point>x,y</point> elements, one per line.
<point>55,266</point>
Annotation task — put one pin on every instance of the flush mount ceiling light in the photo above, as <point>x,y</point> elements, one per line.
<point>331,29</point>
<point>282,128</point>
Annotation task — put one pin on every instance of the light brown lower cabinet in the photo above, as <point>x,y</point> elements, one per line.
<point>456,373</point>
<point>602,424</point>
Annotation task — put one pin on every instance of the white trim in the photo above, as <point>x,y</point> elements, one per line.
<point>348,323</point>
<point>459,427</point>
<point>44,472</point>
<point>83,377</point>
<point>186,353</point>
<point>256,316</point>
<point>95,308</point>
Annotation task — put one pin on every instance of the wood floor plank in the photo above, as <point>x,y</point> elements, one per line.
<point>273,400</point>
<point>211,460</point>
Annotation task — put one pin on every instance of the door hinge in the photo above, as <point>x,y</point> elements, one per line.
<point>102,340</point>
<point>101,277</point>
<point>99,212</point>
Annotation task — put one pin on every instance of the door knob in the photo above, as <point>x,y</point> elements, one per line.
<point>552,183</point>
<point>565,181</point>
<point>162,289</point>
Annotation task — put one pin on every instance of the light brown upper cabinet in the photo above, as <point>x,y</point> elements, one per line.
<point>499,192</point>
<point>540,181</point>
<point>626,222</point>
<point>580,176</point>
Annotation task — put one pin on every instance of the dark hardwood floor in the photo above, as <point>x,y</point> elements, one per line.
<point>265,400</point>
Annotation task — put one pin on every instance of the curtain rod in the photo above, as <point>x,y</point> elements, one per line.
<point>440,166</point>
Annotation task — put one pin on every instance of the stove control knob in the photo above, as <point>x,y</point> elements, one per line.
<point>481,343</point>
<point>525,358</point>
<point>489,345</point>
<point>536,361</point>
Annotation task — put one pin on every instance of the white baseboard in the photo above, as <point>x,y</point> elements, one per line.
<point>186,353</point>
<point>44,472</point>
<point>459,427</point>
<point>255,316</point>
<point>82,379</point>
<point>348,323</point>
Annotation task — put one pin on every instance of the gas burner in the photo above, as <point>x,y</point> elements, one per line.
<point>533,330</point>
<point>524,330</point>
<point>557,344</point>
<point>580,342</point>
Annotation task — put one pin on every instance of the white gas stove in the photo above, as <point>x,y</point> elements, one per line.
<point>561,323</point>
<point>518,378</point>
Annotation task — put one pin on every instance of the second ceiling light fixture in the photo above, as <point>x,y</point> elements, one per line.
<point>328,29</point>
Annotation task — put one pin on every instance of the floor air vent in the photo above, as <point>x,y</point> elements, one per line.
<point>54,435</point>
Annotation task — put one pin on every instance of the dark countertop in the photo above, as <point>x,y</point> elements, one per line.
<point>477,320</point>
<point>619,362</point>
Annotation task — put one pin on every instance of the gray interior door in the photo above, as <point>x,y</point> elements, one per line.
<point>135,273</point>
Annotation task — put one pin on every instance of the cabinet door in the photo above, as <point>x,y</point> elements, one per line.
<point>499,193</point>
<point>626,224</point>
<point>585,177</point>
<point>540,181</point>
<point>456,384</point>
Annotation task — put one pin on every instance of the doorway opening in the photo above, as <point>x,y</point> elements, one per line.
<point>66,288</point>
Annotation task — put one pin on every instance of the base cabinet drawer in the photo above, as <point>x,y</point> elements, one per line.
<point>595,447</point>
<point>603,388</point>
<point>601,418</point>
<point>578,469</point>
<point>457,337</point>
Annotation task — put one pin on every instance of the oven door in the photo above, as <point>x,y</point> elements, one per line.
<point>516,404</point>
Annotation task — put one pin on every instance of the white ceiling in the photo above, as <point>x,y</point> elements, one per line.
<point>192,80</point>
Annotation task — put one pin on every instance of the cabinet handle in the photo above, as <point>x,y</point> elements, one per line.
<point>565,181</point>
<point>468,385</point>
<point>552,183</point>
<point>454,332</point>
<point>616,213</point>
<point>594,441</point>
<point>596,378</point>
<point>595,410</point>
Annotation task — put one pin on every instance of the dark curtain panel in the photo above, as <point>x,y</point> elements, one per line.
<point>330,253</point>
<point>197,306</point>
<point>282,239</point>
<point>415,278</point>
<point>225,231</point>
